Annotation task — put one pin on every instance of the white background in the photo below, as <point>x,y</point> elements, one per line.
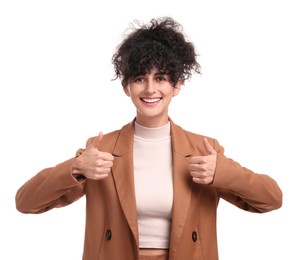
<point>56,91</point>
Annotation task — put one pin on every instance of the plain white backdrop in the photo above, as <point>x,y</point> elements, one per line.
<point>56,90</point>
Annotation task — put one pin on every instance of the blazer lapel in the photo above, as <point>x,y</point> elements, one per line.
<point>123,173</point>
<point>182,183</point>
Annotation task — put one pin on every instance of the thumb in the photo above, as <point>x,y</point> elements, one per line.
<point>97,140</point>
<point>208,147</point>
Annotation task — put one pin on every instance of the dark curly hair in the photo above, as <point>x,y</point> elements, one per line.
<point>160,45</point>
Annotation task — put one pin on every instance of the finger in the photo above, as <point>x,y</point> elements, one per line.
<point>106,156</point>
<point>196,159</point>
<point>201,180</point>
<point>99,177</point>
<point>97,140</point>
<point>208,147</point>
<point>100,137</point>
<point>195,166</point>
<point>197,180</point>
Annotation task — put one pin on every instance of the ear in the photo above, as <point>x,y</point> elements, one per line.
<point>177,87</point>
<point>127,91</point>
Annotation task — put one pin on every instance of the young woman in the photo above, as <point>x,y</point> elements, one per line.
<point>152,188</point>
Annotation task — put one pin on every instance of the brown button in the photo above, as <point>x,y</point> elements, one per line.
<point>194,236</point>
<point>108,234</point>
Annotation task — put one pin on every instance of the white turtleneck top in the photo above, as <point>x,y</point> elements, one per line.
<point>153,185</point>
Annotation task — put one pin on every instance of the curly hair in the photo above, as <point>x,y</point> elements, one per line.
<point>159,45</point>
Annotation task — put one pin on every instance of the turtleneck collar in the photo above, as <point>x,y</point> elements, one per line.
<point>152,133</point>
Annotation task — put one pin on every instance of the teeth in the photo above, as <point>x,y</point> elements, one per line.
<point>151,100</point>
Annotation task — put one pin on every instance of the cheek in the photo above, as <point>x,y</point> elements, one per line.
<point>170,94</point>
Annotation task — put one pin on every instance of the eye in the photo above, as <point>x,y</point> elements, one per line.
<point>138,79</point>
<point>161,78</point>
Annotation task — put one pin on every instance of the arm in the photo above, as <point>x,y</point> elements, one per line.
<point>244,188</point>
<point>63,184</point>
<point>238,185</point>
<point>50,188</point>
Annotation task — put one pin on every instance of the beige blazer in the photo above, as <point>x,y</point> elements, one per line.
<point>111,231</point>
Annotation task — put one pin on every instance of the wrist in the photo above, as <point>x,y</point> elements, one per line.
<point>77,174</point>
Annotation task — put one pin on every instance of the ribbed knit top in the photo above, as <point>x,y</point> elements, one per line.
<point>153,184</point>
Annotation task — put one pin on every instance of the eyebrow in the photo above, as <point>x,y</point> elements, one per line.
<point>160,73</point>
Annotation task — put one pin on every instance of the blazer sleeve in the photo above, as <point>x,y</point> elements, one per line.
<point>244,188</point>
<point>51,188</point>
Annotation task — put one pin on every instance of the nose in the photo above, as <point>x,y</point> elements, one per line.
<point>150,87</point>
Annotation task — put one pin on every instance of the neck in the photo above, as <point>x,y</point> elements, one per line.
<point>149,133</point>
<point>152,122</point>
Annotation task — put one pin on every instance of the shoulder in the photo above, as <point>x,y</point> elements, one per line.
<point>190,135</point>
<point>195,140</point>
<point>110,139</point>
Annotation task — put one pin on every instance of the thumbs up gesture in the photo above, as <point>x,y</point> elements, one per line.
<point>202,168</point>
<point>92,163</point>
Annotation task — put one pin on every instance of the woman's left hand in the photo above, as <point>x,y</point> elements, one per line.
<point>202,168</point>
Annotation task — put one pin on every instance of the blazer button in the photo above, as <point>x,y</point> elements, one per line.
<point>108,234</point>
<point>194,236</point>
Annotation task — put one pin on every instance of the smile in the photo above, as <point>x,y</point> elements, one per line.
<point>150,100</point>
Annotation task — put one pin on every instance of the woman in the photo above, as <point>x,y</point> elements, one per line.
<point>152,188</point>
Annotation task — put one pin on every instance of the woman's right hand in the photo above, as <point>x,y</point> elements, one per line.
<point>92,163</point>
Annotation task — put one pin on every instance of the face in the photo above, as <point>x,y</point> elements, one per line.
<point>151,94</point>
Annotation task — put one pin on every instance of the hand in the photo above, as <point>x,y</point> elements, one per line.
<point>202,168</point>
<point>92,163</point>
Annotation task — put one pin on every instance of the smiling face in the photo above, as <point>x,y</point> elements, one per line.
<point>151,94</point>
